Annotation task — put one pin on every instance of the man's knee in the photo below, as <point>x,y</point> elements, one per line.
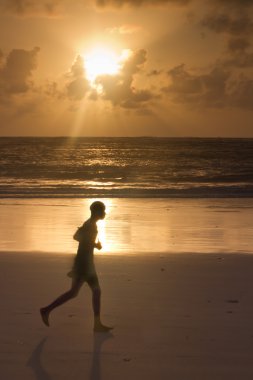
<point>73,293</point>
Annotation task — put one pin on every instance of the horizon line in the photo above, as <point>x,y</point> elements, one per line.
<point>132,137</point>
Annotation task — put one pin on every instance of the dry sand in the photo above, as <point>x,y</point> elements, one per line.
<point>176,317</point>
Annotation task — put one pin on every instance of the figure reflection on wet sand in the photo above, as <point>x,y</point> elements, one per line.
<point>98,340</point>
<point>35,362</point>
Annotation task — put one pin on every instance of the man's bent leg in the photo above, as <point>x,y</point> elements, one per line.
<point>45,311</point>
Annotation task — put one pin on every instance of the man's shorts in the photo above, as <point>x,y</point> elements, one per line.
<point>90,278</point>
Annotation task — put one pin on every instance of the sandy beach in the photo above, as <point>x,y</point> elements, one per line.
<point>181,302</point>
<point>175,317</point>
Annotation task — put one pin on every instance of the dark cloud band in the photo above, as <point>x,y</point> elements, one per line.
<point>30,7</point>
<point>136,3</point>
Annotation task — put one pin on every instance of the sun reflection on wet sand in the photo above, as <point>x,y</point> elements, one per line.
<point>131,225</point>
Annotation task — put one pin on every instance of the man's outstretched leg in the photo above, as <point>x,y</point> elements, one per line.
<point>45,311</point>
<point>96,301</point>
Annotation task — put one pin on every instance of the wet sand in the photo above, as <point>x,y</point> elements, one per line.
<point>176,316</point>
<point>132,226</point>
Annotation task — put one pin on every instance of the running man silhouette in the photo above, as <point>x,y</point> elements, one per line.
<point>83,269</point>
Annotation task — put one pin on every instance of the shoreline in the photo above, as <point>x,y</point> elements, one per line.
<point>141,255</point>
<point>243,195</point>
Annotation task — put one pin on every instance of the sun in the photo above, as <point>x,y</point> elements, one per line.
<point>102,61</point>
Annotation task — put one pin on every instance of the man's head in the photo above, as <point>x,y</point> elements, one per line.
<point>98,210</point>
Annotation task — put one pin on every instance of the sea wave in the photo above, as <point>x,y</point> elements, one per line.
<point>235,191</point>
<point>125,167</point>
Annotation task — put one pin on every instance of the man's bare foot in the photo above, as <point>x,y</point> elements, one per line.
<point>44,315</point>
<point>99,327</point>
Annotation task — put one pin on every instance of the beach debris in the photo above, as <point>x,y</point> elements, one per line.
<point>71,315</point>
<point>232,301</point>
<point>126,359</point>
<point>229,312</point>
<point>162,269</point>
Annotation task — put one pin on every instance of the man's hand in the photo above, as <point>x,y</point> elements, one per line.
<point>98,245</point>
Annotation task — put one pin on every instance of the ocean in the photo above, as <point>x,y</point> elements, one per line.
<point>125,167</point>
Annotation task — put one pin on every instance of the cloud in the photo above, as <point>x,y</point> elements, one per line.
<point>231,4</point>
<point>242,95</point>
<point>240,60</point>
<point>238,45</point>
<point>16,72</point>
<point>238,54</point>
<point>222,86</point>
<point>219,88</point>
<point>124,29</point>
<point>233,19</point>
<point>30,7</point>
<point>120,92</point>
<point>154,73</point>
<point>51,8</point>
<point>77,85</point>
<point>137,3</point>
<point>208,90</point>
<point>119,89</point>
<point>231,24</point>
<point>135,62</point>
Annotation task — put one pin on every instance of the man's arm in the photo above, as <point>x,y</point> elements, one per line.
<point>98,245</point>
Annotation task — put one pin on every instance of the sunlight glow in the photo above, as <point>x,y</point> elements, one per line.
<point>103,61</point>
<point>100,61</point>
<point>103,228</point>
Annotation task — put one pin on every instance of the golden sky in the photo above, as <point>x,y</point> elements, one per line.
<point>126,68</point>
